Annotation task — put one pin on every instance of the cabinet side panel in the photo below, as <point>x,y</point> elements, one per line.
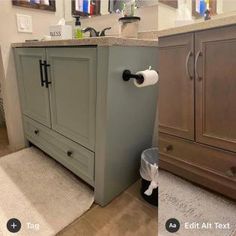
<point>101,124</point>
<point>130,118</point>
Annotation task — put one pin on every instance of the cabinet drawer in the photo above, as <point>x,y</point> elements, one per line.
<point>70,154</point>
<point>215,160</point>
<point>210,167</point>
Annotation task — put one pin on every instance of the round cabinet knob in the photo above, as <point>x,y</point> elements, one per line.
<point>231,172</point>
<point>69,153</point>
<point>168,148</point>
<point>36,131</point>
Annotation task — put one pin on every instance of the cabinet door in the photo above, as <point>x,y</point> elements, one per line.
<point>176,88</point>
<point>73,93</point>
<point>216,87</point>
<point>34,96</point>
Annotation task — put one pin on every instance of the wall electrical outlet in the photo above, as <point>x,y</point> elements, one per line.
<point>24,23</point>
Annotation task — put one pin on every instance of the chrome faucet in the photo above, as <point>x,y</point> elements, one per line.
<point>95,33</point>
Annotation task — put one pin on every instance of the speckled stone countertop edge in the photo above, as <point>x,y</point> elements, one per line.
<point>99,41</point>
<point>199,26</point>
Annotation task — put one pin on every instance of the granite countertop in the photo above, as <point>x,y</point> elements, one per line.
<point>148,35</point>
<point>99,41</point>
<point>203,25</point>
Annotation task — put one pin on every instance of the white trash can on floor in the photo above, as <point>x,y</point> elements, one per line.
<point>149,174</point>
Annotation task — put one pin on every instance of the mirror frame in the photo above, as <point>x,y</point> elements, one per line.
<point>171,3</point>
<point>50,7</point>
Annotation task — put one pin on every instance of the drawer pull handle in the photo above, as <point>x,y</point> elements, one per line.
<point>69,153</point>
<point>168,148</point>
<point>36,131</point>
<point>231,172</point>
<point>190,54</point>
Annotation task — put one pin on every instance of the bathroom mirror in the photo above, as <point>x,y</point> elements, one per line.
<point>192,11</point>
<point>216,7</point>
<point>104,7</point>
<point>199,7</point>
<point>86,7</point>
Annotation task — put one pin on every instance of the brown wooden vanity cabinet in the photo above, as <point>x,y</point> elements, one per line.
<point>197,107</point>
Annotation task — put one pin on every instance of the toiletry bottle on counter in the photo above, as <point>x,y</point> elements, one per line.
<point>78,33</point>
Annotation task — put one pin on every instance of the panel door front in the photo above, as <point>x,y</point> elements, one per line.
<point>73,93</point>
<point>176,87</point>
<point>216,87</point>
<point>34,96</point>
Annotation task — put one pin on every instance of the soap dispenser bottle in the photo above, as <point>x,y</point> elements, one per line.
<point>78,33</point>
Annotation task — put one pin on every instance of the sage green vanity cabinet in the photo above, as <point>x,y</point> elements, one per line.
<point>85,115</point>
<point>34,97</point>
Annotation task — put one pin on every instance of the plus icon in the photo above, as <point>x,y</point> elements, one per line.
<point>13,225</point>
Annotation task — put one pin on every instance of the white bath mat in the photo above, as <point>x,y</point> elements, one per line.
<point>39,192</point>
<point>186,202</point>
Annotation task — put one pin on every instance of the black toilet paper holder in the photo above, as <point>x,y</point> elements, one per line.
<point>127,75</point>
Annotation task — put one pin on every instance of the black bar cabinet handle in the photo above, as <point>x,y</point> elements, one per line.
<point>46,73</point>
<point>41,64</point>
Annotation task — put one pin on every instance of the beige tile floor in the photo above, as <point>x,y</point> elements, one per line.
<point>127,215</point>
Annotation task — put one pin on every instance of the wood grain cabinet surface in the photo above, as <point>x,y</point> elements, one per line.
<point>216,88</point>
<point>176,97</point>
<point>197,107</point>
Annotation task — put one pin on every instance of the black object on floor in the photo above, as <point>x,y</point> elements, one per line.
<point>152,199</point>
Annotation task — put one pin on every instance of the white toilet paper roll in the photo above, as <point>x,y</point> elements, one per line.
<point>151,77</point>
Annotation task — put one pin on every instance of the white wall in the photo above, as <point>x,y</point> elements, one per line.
<point>8,35</point>
<point>229,6</point>
<point>166,17</point>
